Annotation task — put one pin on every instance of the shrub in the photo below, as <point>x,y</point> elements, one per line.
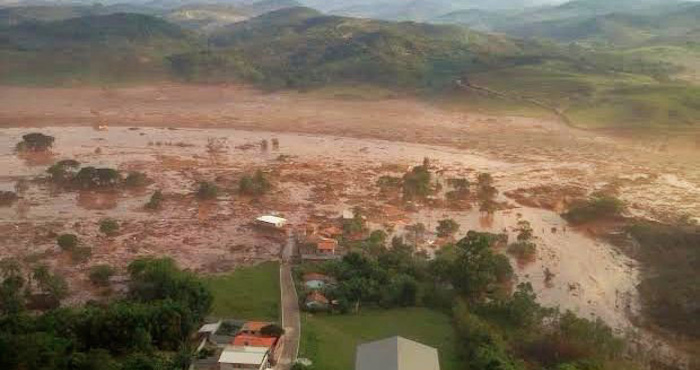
<point>207,190</point>
<point>91,177</point>
<point>63,171</point>
<point>254,185</point>
<point>7,198</point>
<point>599,207</point>
<point>523,251</point>
<point>447,228</point>
<point>136,179</point>
<point>67,241</point>
<point>155,201</point>
<point>272,330</point>
<point>80,254</point>
<point>109,226</point>
<point>100,274</point>
<point>35,142</point>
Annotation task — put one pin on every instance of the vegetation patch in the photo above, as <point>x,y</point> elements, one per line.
<point>330,340</point>
<point>600,207</point>
<point>251,293</point>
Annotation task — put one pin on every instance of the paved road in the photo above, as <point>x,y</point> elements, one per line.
<point>290,310</point>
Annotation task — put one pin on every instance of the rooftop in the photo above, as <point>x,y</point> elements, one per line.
<point>271,219</point>
<point>254,325</point>
<point>254,341</point>
<point>243,355</point>
<point>396,353</point>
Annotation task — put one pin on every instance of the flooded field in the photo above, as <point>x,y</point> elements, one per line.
<point>315,175</point>
<point>329,158</point>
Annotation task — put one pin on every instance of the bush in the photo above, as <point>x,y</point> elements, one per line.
<point>91,178</point>
<point>136,179</point>
<point>447,228</point>
<point>155,201</point>
<point>600,207</point>
<point>100,274</point>
<point>67,241</point>
<point>255,185</point>
<point>7,198</point>
<point>272,330</point>
<point>80,254</point>
<point>109,226</point>
<point>207,190</point>
<point>35,142</point>
<point>63,171</point>
<point>523,251</point>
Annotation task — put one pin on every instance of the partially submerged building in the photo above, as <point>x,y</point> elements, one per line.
<point>396,353</point>
<point>271,221</point>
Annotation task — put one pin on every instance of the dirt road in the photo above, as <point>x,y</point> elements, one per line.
<point>290,310</point>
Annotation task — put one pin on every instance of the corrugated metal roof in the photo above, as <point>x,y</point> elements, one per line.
<point>243,355</point>
<point>396,353</point>
<point>272,219</point>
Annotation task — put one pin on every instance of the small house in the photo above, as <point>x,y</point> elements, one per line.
<point>321,244</point>
<point>271,221</point>
<point>244,357</point>
<point>246,340</point>
<point>316,301</point>
<point>315,281</point>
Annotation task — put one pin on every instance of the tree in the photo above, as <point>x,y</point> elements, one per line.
<point>478,272</point>
<point>416,183</point>
<point>63,171</point>
<point>447,228</point>
<point>11,288</point>
<point>154,279</point>
<point>156,199</point>
<point>35,142</point>
<point>525,231</point>
<point>109,226</point>
<point>598,207</point>
<point>55,286</point>
<point>255,185</point>
<point>91,178</point>
<point>136,179</point>
<point>207,190</point>
<point>67,241</point>
<point>486,193</point>
<point>100,274</point>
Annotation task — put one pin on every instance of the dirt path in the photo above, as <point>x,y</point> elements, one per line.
<point>290,310</point>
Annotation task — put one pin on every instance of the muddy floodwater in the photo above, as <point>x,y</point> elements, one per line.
<point>315,176</point>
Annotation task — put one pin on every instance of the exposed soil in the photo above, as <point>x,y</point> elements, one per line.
<point>331,153</point>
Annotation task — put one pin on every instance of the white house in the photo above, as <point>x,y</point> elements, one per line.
<point>244,357</point>
<point>271,221</point>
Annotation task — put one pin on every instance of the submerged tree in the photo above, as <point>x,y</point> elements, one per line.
<point>35,142</point>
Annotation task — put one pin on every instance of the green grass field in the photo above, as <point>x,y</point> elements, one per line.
<point>330,340</point>
<point>251,293</point>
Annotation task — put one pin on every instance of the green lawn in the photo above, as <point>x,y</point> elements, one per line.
<point>330,340</point>
<point>250,293</point>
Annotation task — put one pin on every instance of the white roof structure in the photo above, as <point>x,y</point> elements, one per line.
<point>396,353</point>
<point>210,328</point>
<point>243,355</point>
<point>272,220</point>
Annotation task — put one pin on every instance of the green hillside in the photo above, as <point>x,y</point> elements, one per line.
<point>302,48</point>
<point>108,48</point>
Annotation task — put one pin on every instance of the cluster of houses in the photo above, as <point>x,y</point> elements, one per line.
<point>314,285</point>
<point>246,348</point>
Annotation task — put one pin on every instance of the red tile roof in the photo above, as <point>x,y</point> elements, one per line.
<point>316,296</point>
<point>254,325</point>
<point>253,341</point>
<point>327,245</point>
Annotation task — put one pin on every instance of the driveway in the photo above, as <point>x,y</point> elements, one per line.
<point>290,310</point>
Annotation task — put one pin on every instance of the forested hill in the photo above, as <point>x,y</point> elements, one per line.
<point>302,48</point>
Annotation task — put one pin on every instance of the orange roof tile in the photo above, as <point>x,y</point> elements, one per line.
<point>254,325</point>
<point>316,296</point>
<point>327,245</point>
<point>253,341</point>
